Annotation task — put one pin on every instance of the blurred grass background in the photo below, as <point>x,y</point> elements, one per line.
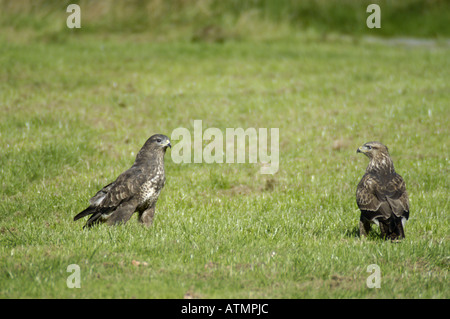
<point>218,21</point>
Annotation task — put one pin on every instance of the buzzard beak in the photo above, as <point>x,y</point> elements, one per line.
<point>359,150</point>
<point>169,145</point>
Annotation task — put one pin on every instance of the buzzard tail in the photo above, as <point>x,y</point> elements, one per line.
<point>88,211</point>
<point>94,219</point>
<point>392,228</point>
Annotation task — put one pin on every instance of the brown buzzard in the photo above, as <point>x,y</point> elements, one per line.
<point>136,189</point>
<point>381,194</point>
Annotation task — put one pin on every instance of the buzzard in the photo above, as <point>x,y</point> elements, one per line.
<point>381,194</point>
<point>136,189</point>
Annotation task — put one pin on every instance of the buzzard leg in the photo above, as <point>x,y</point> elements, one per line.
<point>121,215</point>
<point>364,227</point>
<point>400,230</point>
<point>392,229</point>
<point>146,217</point>
<point>384,229</point>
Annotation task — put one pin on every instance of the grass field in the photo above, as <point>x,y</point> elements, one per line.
<point>73,114</point>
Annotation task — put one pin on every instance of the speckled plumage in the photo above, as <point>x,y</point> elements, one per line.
<point>135,190</point>
<point>381,194</point>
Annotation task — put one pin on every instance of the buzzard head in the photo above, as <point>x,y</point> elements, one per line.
<point>160,141</point>
<point>373,149</point>
<point>380,160</point>
<point>156,145</point>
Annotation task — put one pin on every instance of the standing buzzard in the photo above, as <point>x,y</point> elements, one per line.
<point>136,189</point>
<point>381,194</point>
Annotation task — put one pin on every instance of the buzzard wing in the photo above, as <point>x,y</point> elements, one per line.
<point>123,189</point>
<point>397,197</point>
<point>98,198</point>
<point>369,200</point>
<point>95,201</point>
<point>375,200</point>
<point>116,201</point>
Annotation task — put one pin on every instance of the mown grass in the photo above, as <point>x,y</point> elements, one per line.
<point>74,114</point>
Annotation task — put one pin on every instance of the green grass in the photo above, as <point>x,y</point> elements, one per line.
<point>74,114</point>
<point>217,21</point>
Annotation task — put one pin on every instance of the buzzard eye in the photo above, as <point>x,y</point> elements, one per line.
<point>158,140</point>
<point>369,147</point>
